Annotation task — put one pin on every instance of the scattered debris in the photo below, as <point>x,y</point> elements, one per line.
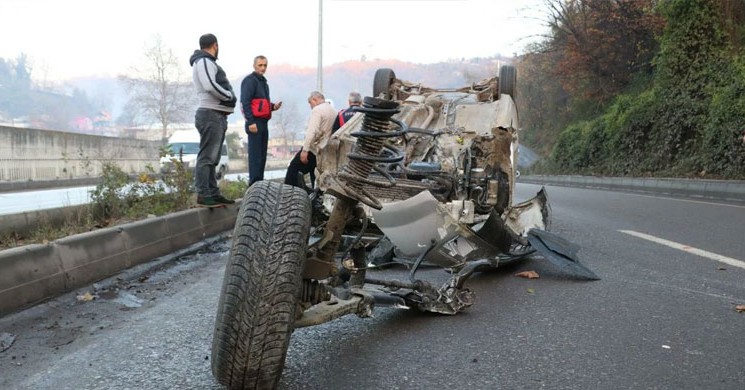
<point>528,274</point>
<point>531,291</point>
<point>665,346</point>
<point>128,300</point>
<point>6,340</point>
<point>740,308</point>
<point>87,297</point>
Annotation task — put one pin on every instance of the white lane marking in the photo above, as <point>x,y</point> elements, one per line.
<point>687,248</point>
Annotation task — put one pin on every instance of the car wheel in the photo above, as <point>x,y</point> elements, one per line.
<point>382,82</point>
<point>258,301</point>
<point>508,81</point>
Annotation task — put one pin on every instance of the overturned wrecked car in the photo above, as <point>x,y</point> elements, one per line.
<point>419,176</point>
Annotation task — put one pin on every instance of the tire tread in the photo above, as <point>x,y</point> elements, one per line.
<point>257,304</point>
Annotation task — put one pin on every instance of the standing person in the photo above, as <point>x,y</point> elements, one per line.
<point>316,134</point>
<point>216,102</point>
<point>354,99</point>
<point>257,109</point>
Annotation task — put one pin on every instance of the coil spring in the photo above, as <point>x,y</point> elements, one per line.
<point>366,155</point>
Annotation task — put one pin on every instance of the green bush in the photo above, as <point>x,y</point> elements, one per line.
<point>723,146</point>
<point>689,121</point>
<point>234,189</point>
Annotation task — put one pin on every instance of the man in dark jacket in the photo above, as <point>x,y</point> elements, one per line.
<point>216,102</point>
<point>344,115</point>
<point>257,109</point>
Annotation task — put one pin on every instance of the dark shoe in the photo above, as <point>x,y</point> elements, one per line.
<point>221,199</point>
<point>208,201</point>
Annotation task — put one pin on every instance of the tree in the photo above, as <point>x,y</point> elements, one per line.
<point>286,121</point>
<point>602,43</point>
<point>158,91</point>
<point>543,104</point>
<point>15,87</point>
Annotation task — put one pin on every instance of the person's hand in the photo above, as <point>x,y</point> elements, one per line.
<point>304,157</point>
<point>229,103</point>
<point>253,128</point>
<point>276,106</point>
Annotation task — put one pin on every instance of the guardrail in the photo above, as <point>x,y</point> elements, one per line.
<point>729,190</point>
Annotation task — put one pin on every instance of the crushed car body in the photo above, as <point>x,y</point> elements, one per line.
<point>418,176</point>
<point>450,191</point>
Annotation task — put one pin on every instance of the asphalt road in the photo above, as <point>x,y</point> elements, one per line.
<point>662,317</point>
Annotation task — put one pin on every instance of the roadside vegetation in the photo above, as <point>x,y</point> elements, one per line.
<point>638,88</point>
<point>121,198</point>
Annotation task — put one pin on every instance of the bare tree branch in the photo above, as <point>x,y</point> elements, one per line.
<point>159,91</point>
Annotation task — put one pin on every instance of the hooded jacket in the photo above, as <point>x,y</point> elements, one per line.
<point>211,83</point>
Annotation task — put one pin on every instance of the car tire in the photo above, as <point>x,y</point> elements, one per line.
<point>259,298</point>
<point>382,82</point>
<point>508,81</point>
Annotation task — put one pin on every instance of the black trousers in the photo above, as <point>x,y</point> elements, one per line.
<point>257,150</point>
<point>297,166</point>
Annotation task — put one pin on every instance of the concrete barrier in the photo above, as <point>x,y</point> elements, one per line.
<point>728,190</point>
<point>32,273</point>
<point>28,221</point>
<point>38,155</point>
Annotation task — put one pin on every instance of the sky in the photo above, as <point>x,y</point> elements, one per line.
<point>65,39</point>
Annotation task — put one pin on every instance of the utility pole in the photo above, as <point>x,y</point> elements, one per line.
<point>319,69</point>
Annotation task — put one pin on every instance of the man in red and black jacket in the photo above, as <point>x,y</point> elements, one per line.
<point>354,99</point>
<point>257,109</point>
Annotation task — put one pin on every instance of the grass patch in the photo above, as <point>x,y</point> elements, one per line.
<point>119,199</point>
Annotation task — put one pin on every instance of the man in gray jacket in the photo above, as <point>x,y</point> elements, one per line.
<point>216,101</point>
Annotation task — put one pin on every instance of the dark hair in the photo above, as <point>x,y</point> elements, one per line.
<point>207,40</point>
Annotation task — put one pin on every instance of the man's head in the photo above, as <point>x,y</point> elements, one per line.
<point>260,64</point>
<point>208,43</point>
<point>316,98</point>
<point>355,99</point>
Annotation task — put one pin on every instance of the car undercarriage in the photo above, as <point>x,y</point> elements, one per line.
<point>419,177</point>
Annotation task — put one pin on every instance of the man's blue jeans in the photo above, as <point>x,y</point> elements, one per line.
<point>211,125</point>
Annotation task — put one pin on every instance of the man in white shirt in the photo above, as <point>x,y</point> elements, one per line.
<point>317,133</point>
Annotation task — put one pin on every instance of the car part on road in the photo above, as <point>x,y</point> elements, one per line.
<point>259,298</point>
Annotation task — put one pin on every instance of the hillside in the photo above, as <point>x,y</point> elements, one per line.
<point>85,99</point>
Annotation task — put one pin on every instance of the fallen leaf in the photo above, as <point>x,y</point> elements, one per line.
<point>530,291</point>
<point>740,308</point>
<point>528,274</point>
<point>87,297</point>
<point>721,269</point>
